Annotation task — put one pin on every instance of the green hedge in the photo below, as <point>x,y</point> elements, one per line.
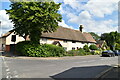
<point>86,48</point>
<point>93,47</point>
<point>21,47</point>
<point>26,48</point>
<point>44,50</point>
<point>80,52</point>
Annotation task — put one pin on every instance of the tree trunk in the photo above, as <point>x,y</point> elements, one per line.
<point>35,37</point>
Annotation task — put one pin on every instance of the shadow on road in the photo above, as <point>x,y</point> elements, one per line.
<point>82,73</point>
<point>8,54</point>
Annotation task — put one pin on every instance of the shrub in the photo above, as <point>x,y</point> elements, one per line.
<point>76,52</point>
<point>44,50</point>
<point>117,47</point>
<point>82,51</point>
<point>108,48</point>
<point>22,46</point>
<point>54,50</point>
<point>97,52</point>
<point>72,52</point>
<point>89,53</point>
<point>86,48</point>
<point>93,47</point>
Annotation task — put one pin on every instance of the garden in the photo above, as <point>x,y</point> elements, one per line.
<point>26,48</point>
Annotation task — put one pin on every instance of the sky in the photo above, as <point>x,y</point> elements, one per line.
<point>99,16</point>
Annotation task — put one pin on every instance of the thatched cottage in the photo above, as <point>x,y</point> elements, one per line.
<point>65,37</point>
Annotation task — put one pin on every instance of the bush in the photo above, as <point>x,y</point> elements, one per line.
<point>22,46</point>
<point>76,52</point>
<point>86,48</point>
<point>82,51</point>
<point>97,52</point>
<point>54,50</point>
<point>90,53</point>
<point>72,52</point>
<point>93,47</point>
<point>44,50</point>
<point>117,47</point>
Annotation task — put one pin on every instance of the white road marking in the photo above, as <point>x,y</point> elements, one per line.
<point>8,77</point>
<point>8,73</point>
<point>7,70</point>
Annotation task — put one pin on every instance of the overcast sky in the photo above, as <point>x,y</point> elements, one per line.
<point>99,16</point>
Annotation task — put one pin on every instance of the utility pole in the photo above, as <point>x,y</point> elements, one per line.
<point>0,36</point>
<point>0,29</point>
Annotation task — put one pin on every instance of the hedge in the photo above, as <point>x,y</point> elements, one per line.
<point>93,47</point>
<point>86,48</point>
<point>80,52</point>
<point>44,50</point>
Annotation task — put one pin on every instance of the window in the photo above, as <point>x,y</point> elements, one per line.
<point>13,38</point>
<point>65,41</point>
<point>44,39</point>
<point>2,45</point>
<point>77,48</point>
<point>82,43</point>
<point>65,48</point>
<point>73,41</point>
<point>73,48</point>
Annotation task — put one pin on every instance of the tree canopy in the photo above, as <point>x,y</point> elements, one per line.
<point>34,18</point>
<point>95,36</point>
<point>111,38</point>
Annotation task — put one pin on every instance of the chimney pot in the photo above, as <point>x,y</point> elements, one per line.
<point>81,28</point>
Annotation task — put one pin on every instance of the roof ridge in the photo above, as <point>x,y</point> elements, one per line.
<point>70,28</point>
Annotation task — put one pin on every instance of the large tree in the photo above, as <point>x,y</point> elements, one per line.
<point>34,18</point>
<point>111,38</point>
<point>95,36</point>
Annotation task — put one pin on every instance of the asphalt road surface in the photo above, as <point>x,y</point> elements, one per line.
<point>67,67</point>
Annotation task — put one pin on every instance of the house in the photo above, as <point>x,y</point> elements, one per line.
<point>6,43</point>
<point>65,37</point>
<point>101,44</point>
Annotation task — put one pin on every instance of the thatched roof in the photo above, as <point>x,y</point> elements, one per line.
<point>65,33</point>
<point>89,37</point>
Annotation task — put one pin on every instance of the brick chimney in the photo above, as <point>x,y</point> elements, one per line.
<point>81,28</point>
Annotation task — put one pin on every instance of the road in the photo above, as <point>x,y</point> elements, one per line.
<point>67,67</point>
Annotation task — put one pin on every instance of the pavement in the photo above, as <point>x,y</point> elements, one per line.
<point>77,67</point>
<point>112,74</point>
